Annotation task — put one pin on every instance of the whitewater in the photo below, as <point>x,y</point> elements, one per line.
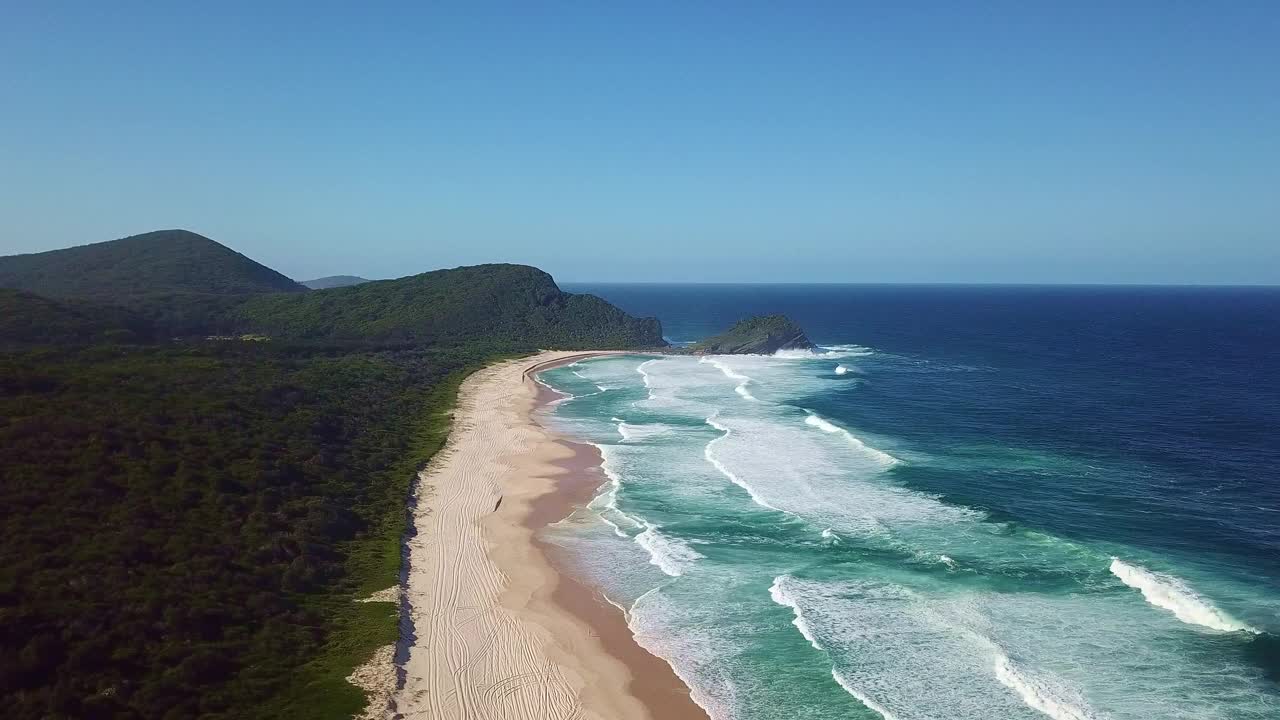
<point>789,561</point>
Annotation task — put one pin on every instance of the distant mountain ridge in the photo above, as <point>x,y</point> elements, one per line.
<point>334,281</point>
<point>175,261</point>
<point>176,283</point>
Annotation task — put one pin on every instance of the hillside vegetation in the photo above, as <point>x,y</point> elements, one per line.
<point>499,306</point>
<point>164,261</point>
<point>187,523</point>
<point>185,529</point>
<point>761,335</point>
<point>30,319</point>
<point>181,283</point>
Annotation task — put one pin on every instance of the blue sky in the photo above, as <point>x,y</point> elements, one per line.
<point>833,142</point>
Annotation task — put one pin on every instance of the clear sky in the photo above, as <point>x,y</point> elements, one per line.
<point>736,141</point>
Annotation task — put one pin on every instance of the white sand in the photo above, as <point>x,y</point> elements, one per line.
<point>377,677</point>
<point>490,645</point>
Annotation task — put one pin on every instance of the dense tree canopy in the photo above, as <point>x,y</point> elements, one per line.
<point>513,304</point>
<point>171,518</point>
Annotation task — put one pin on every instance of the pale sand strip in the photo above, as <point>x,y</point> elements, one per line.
<point>489,643</point>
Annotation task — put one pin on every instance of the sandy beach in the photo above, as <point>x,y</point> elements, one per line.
<point>499,633</point>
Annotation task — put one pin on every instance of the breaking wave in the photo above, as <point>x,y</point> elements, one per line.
<point>825,426</point>
<point>729,372</point>
<point>715,462</point>
<point>605,504</point>
<point>673,556</point>
<point>1169,593</point>
<point>1037,694</point>
<point>832,351</point>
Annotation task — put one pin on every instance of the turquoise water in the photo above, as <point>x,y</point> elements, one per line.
<point>793,555</point>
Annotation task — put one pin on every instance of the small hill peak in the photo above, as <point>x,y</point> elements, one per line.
<point>760,335</point>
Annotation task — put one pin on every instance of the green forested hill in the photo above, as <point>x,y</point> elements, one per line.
<point>501,306</point>
<point>181,283</point>
<point>164,261</point>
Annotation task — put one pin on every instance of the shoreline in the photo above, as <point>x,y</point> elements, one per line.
<point>653,681</point>
<point>498,628</point>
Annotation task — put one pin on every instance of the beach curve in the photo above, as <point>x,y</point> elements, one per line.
<point>497,632</point>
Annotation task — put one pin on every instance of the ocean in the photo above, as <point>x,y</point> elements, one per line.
<point>970,503</point>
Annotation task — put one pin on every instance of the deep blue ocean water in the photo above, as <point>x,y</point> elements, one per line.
<point>973,502</point>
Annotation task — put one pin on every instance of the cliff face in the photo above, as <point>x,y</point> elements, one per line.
<point>763,335</point>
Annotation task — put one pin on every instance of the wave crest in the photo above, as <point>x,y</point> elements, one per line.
<point>826,426</point>
<point>672,556</point>
<point>1169,593</point>
<point>729,372</point>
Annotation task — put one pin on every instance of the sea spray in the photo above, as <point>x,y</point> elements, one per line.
<point>1170,593</point>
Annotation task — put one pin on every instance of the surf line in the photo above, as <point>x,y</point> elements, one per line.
<point>743,380</point>
<point>708,453</point>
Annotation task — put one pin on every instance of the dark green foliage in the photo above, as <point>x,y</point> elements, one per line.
<point>164,261</point>
<point>764,334</point>
<point>27,319</point>
<point>505,306</point>
<point>184,529</point>
<point>334,281</point>
<point>181,283</point>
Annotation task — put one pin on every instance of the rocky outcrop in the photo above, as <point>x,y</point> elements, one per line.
<point>762,335</point>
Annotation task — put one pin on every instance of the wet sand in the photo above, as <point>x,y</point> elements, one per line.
<point>499,631</point>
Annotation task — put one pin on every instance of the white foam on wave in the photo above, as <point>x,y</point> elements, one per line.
<point>903,654</point>
<point>879,709</point>
<point>1169,593</point>
<point>599,388</point>
<point>564,396</point>
<point>826,426</point>
<point>1038,694</point>
<point>729,372</point>
<point>605,503</point>
<point>671,555</point>
<point>708,453</point>
<point>639,433</point>
<point>644,374</point>
<point>690,645</point>
<point>831,351</point>
<point>779,595</point>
